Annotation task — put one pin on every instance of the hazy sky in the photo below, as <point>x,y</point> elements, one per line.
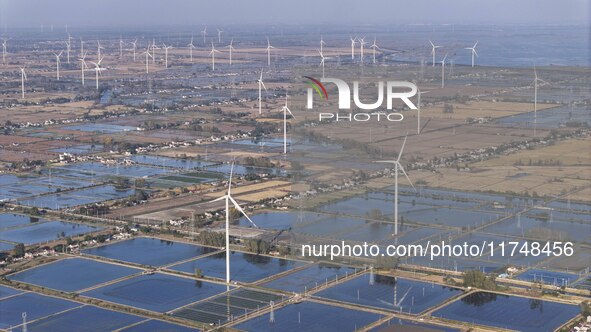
<point>198,12</point>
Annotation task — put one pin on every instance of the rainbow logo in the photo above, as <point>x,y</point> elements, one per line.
<point>316,85</point>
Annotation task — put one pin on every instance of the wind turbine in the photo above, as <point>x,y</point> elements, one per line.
<point>374,46</point>
<point>68,48</point>
<point>134,43</point>
<point>443,71</point>
<point>536,79</point>
<point>166,48</point>
<point>473,52</point>
<point>23,79</point>
<point>419,110</point>
<point>261,85</point>
<point>397,304</point>
<point>228,198</point>
<point>220,31</point>
<point>204,33</point>
<point>433,47</point>
<point>231,48</point>
<point>269,47</point>
<point>212,53</point>
<point>397,166</point>
<point>353,41</point>
<point>154,48</point>
<point>97,70</point>
<point>4,40</point>
<point>191,47</point>
<point>285,110</point>
<point>57,61</point>
<point>362,43</point>
<point>99,47</point>
<point>120,47</point>
<point>322,62</point>
<point>148,55</point>
<point>322,43</point>
<point>83,66</point>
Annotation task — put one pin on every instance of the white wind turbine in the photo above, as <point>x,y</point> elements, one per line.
<point>419,110</point>
<point>191,48</point>
<point>23,79</point>
<point>536,80</point>
<point>397,166</point>
<point>204,33</point>
<point>285,110</point>
<point>97,70</point>
<point>148,56</point>
<point>83,66</point>
<point>396,303</point>
<point>220,31</point>
<point>269,47</point>
<point>443,71</point>
<point>57,61</point>
<point>154,48</point>
<point>322,58</point>
<point>228,198</point>
<point>473,52</point>
<point>433,48</point>
<point>212,53</point>
<point>121,47</point>
<point>362,43</point>
<point>166,48</point>
<point>353,41</point>
<point>134,43</point>
<point>99,47</point>
<point>261,85</point>
<point>68,48</point>
<point>374,46</point>
<point>4,41</point>
<point>231,48</point>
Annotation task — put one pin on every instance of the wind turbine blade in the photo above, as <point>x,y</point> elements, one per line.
<point>288,111</point>
<point>219,199</point>
<point>401,149</point>
<point>432,45</point>
<point>386,303</point>
<point>474,50</point>
<point>237,206</point>
<point>263,84</point>
<point>403,297</point>
<point>406,175</point>
<point>386,161</point>
<point>230,181</point>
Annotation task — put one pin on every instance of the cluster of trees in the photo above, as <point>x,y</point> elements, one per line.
<point>477,279</point>
<point>258,246</point>
<point>210,238</point>
<point>448,108</point>
<point>263,128</point>
<point>25,163</point>
<point>539,162</point>
<point>258,162</point>
<point>374,214</point>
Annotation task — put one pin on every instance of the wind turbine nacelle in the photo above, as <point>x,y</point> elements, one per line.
<point>344,91</point>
